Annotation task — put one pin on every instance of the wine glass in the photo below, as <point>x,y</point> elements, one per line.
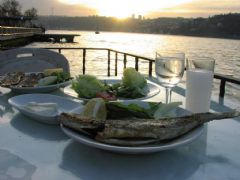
<point>169,70</point>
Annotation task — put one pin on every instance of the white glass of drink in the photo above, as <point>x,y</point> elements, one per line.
<point>199,80</point>
<point>169,70</point>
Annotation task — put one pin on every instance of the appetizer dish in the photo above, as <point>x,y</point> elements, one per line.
<point>38,79</point>
<point>132,124</point>
<point>133,85</point>
<point>43,107</point>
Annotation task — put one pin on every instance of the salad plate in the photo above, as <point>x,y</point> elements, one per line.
<point>154,89</point>
<point>177,142</point>
<point>44,107</point>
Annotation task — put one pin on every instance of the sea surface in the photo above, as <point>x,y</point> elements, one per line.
<point>226,52</point>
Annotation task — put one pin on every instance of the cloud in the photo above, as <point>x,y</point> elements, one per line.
<point>199,8</point>
<point>47,7</point>
<point>154,8</point>
<point>212,5</point>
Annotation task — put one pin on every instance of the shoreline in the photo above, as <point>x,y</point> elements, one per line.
<point>197,36</point>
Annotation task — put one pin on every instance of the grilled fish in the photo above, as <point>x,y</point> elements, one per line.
<point>140,131</point>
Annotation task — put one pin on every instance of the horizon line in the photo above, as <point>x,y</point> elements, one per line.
<point>146,18</point>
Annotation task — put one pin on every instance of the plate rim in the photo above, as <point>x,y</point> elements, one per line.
<point>41,87</point>
<point>132,150</point>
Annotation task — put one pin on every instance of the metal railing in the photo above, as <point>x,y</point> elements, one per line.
<point>223,79</point>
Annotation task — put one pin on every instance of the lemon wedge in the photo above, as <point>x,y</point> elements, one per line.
<point>95,108</point>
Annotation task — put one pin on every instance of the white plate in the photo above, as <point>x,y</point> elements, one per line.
<point>64,104</point>
<point>154,89</point>
<point>40,89</point>
<point>177,142</point>
<point>180,141</point>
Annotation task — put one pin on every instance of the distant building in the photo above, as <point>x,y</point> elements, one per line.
<point>133,16</point>
<point>139,17</point>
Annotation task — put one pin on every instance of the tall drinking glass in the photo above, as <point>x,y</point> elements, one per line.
<point>199,80</point>
<point>169,70</point>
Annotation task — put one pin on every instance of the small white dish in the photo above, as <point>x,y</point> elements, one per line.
<point>63,104</point>
<point>154,89</point>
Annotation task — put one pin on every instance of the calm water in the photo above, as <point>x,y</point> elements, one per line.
<point>226,52</point>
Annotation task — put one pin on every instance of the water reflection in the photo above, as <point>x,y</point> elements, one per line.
<point>89,163</point>
<point>14,167</point>
<point>5,108</point>
<point>40,130</point>
<point>225,51</point>
<point>182,163</point>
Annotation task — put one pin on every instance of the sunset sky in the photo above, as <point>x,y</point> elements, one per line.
<point>124,8</point>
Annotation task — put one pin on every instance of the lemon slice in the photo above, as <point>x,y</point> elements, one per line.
<point>48,72</point>
<point>95,108</point>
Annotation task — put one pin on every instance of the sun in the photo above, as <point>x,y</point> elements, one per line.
<point>119,9</point>
<point>125,8</point>
<point>112,8</point>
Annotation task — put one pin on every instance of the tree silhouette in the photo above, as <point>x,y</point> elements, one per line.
<point>226,25</point>
<point>32,13</point>
<point>10,8</point>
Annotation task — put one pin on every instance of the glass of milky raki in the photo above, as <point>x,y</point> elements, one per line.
<point>199,80</point>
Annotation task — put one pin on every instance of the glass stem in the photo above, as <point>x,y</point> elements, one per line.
<point>168,95</point>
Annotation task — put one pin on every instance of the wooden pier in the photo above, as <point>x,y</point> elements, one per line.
<point>20,36</point>
<point>17,36</point>
<point>7,33</point>
<point>57,38</point>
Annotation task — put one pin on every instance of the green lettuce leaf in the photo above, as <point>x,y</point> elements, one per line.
<point>164,110</point>
<point>119,110</point>
<point>132,78</point>
<point>87,86</point>
<point>61,76</point>
<point>133,85</point>
<point>150,110</point>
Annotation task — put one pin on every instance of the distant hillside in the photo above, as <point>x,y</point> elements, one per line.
<point>225,26</point>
